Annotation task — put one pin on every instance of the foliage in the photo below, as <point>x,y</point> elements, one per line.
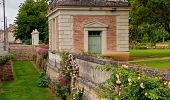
<point>68,74</point>
<point>40,57</point>
<point>149,21</point>
<point>65,67</point>
<point>79,94</point>
<point>45,56</point>
<point>6,58</point>
<point>43,80</point>
<point>129,85</point>
<point>63,88</point>
<point>28,42</point>
<point>152,89</point>
<point>31,16</point>
<point>43,52</point>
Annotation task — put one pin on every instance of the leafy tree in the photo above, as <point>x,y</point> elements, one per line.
<point>32,15</point>
<point>149,17</point>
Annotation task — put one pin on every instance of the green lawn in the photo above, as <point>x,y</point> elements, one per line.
<point>24,87</point>
<point>160,64</point>
<point>156,53</point>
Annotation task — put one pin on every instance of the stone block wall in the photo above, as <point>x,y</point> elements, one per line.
<point>6,72</point>
<point>89,77</point>
<point>22,52</point>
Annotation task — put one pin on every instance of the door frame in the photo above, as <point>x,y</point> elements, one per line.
<point>96,26</point>
<point>103,38</point>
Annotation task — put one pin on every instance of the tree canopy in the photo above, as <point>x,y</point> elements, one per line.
<point>32,15</point>
<point>149,18</point>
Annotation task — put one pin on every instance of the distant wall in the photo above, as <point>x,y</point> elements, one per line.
<point>22,52</point>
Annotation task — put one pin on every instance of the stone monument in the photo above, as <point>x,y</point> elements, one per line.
<point>35,37</point>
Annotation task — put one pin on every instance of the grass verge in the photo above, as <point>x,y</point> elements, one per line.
<point>25,87</point>
<point>151,53</point>
<point>159,64</point>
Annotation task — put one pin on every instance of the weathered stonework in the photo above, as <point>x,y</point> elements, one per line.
<point>22,52</point>
<point>89,77</point>
<point>6,72</point>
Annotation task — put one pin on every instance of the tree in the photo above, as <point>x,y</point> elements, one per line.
<point>149,17</point>
<point>32,15</point>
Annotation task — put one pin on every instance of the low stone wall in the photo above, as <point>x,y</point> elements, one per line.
<point>22,52</point>
<point>89,77</point>
<point>6,72</point>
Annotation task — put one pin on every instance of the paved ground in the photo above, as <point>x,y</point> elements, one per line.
<point>2,52</point>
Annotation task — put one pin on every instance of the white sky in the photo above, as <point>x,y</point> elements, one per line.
<point>12,7</point>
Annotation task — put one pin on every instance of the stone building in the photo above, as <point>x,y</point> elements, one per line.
<point>99,26</point>
<point>11,37</point>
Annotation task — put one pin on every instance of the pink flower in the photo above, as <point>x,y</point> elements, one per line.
<point>41,50</point>
<point>168,69</point>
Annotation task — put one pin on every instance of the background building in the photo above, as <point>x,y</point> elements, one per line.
<point>10,32</point>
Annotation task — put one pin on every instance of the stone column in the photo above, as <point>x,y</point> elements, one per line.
<point>35,37</point>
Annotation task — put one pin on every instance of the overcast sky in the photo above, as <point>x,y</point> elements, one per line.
<point>12,7</point>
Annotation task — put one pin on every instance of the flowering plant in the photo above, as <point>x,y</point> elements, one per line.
<point>69,70</point>
<point>168,69</point>
<point>41,51</point>
<point>130,85</point>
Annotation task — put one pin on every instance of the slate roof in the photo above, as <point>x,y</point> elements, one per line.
<point>88,3</point>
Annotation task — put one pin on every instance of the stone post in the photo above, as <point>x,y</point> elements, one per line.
<point>35,37</point>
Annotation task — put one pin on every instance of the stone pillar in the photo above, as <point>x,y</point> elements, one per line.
<point>35,37</point>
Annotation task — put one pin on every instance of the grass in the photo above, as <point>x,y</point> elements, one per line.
<point>153,53</point>
<point>25,87</point>
<point>158,64</point>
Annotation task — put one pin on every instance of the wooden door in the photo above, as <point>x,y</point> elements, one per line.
<point>94,41</point>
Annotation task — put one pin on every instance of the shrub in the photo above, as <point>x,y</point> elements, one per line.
<point>41,51</point>
<point>62,87</point>
<point>79,94</point>
<point>43,80</point>
<point>6,58</point>
<point>129,85</point>
<point>62,91</point>
<point>28,42</point>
